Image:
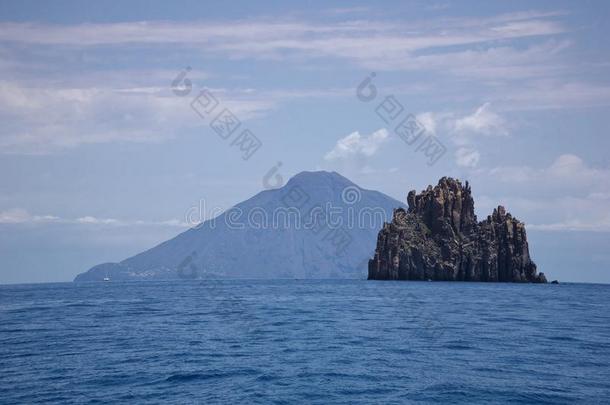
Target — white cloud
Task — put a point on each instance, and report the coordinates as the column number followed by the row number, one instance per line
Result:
column 467, row 157
column 46, row 119
column 97, row 221
column 566, row 171
column 569, row 213
column 354, row 154
column 463, row 131
column 356, row 146
column 552, row 212
column 482, row 121
column 14, row 216
column 22, row 216
column 565, row 195
column 372, row 44
column 42, row 120
column 495, row 63
column 428, row 120
column 573, row 226
column 555, row 93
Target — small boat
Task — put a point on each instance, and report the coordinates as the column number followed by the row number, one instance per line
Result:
column 106, row 278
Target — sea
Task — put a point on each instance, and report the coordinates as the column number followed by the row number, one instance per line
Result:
column 304, row 341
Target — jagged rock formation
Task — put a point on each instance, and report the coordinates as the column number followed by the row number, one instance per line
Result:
column 439, row 238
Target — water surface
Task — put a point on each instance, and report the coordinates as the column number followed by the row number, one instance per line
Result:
column 293, row 341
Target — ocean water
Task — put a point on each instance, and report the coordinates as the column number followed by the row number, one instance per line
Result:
column 303, row 341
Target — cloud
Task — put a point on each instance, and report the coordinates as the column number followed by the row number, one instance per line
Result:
column 347, row 10
column 568, row 214
column 428, row 120
column 573, row 226
column 565, row 172
column 22, row 216
column 482, row 121
column 495, row 63
column 118, row 106
column 565, row 195
column 374, row 44
column 558, row 213
column 19, row 215
column 556, row 93
column 463, row 130
column 466, row 157
column 43, row 120
column 356, row 147
column 353, row 153
column 97, row 221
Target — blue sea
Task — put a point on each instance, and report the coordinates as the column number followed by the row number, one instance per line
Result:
column 299, row 341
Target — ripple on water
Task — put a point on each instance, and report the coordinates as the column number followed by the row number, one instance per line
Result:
column 305, row 341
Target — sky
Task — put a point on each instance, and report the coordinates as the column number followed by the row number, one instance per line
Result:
column 102, row 154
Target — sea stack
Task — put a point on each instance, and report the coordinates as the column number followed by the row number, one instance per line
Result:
column 439, row 238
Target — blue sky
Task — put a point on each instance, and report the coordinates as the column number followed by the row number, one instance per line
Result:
column 100, row 159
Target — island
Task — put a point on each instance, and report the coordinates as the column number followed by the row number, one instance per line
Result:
column 438, row 238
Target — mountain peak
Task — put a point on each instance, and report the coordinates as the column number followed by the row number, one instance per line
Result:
column 263, row 237
column 320, row 178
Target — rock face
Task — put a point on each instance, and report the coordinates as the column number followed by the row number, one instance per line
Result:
column 439, row 238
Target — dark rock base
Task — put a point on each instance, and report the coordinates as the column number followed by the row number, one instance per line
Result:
column 439, row 238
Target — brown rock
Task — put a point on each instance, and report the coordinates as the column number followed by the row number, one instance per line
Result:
column 439, row 238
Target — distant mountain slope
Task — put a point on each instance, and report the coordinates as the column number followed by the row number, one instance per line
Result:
column 319, row 225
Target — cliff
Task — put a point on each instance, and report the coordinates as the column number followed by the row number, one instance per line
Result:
column 439, row 238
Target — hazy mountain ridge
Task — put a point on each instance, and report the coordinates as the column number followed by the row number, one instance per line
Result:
column 237, row 244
